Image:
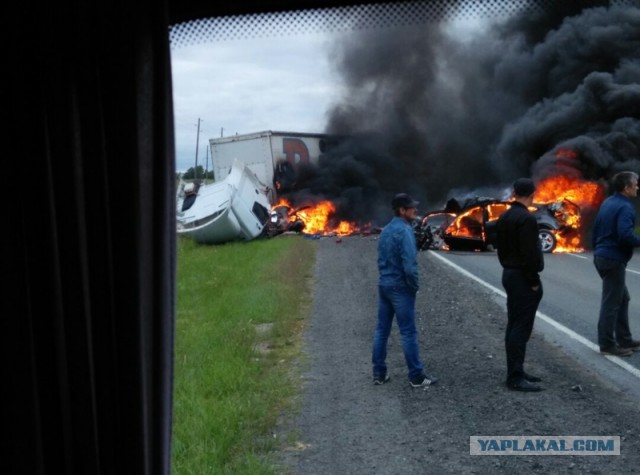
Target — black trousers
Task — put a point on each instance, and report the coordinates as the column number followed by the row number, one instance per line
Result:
column 522, row 305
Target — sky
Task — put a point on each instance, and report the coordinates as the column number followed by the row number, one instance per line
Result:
column 239, row 86
column 249, row 85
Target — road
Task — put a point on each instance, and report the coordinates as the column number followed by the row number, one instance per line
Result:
column 344, row 424
column 569, row 309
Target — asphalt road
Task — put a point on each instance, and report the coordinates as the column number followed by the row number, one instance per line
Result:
column 569, row 307
column 571, row 286
column 343, row 424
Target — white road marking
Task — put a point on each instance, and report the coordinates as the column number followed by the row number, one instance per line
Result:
column 567, row 331
column 588, row 258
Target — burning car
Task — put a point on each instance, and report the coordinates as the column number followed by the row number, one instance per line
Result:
column 282, row 219
column 311, row 219
column 472, row 229
column 429, row 230
column 471, row 225
column 559, row 225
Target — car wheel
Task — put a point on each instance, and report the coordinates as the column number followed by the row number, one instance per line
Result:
column 547, row 240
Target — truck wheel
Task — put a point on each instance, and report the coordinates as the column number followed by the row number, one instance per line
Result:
column 547, row 240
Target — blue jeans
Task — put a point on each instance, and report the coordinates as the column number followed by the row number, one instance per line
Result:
column 398, row 301
column 613, row 322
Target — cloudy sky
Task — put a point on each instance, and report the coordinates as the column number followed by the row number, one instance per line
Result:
column 238, row 86
column 249, row 85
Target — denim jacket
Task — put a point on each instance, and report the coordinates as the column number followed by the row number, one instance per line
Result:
column 397, row 255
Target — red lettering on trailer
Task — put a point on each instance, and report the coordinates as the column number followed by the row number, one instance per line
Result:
column 295, row 150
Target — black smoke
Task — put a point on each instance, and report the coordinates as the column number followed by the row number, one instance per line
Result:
column 427, row 112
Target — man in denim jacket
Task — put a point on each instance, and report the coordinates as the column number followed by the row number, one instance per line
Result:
column 613, row 243
column 397, row 287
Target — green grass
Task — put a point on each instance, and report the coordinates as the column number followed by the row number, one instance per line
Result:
column 240, row 311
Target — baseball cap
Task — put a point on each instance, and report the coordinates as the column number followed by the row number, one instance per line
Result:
column 524, row 187
column 403, row 200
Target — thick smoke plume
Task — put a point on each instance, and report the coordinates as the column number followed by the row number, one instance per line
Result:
column 432, row 112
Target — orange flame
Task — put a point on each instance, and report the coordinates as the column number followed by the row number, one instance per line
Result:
column 317, row 219
column 582, row 194
column 468, row 224
column 282, row 202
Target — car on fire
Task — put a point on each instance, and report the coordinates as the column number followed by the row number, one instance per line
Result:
column 429, row 230
column 470, row 225
column 282, row 219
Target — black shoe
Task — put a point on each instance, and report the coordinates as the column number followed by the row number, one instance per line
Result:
column 633, row 345
column 615, row 350
column 531, row 378
column 423, row 381
column 525, row 386
column 381, row 379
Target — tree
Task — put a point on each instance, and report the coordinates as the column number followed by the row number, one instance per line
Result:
column 191, row 174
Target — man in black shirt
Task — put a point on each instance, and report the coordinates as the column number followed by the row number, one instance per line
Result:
column 520, row 255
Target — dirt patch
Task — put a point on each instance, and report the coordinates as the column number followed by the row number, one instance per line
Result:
column 348, row 425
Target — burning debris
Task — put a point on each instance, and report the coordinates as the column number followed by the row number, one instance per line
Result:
column 317, row 219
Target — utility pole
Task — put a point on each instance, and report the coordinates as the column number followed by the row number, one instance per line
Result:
column 206, row 168
column 195, row 171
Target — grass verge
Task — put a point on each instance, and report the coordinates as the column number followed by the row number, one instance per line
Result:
column 240, row 311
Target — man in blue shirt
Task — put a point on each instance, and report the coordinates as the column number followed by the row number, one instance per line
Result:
column 613, row 243
column 397, row 287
